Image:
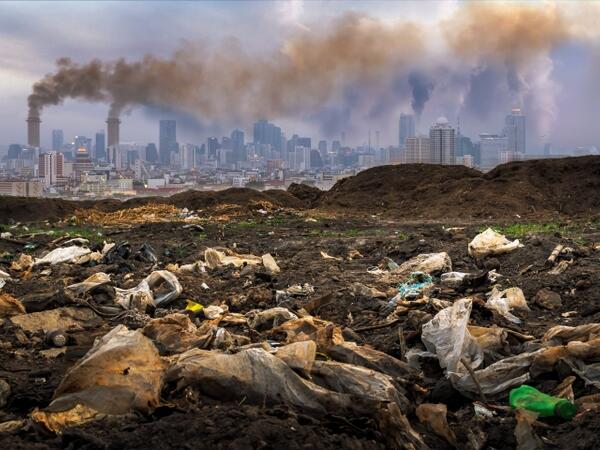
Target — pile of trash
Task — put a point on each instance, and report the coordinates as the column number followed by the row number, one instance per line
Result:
column 150, row 213
column 153, row 342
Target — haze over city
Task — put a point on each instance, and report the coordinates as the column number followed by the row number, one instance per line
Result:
column 315, row 68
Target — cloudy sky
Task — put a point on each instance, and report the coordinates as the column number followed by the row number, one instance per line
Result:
column 315, row 67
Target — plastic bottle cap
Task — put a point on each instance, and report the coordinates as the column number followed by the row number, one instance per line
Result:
column 565, row 409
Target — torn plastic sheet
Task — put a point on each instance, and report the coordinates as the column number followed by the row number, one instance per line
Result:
column 490, row 242
column 70, row 254
column 149, row 292
column 260, row 378
column 448, row 337
column 430, row 263
column 121, row 373
column 504, row 301
column 92, row 282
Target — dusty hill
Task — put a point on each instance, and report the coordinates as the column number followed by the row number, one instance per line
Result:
column 539, row 188
column 530, row 188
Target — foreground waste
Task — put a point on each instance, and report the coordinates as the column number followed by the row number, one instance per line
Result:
column 270, row 332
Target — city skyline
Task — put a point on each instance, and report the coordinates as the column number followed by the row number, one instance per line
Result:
column 479, row 87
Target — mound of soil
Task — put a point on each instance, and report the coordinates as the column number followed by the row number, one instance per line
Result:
column 310, row 195
column 35, row 209
column 539, row 188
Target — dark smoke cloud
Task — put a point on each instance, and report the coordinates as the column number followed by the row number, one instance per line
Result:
column 69, row 81
column 227, row 84
column 421, row 87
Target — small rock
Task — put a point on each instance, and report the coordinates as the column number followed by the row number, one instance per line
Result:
column 4, row 392
column 548, row 299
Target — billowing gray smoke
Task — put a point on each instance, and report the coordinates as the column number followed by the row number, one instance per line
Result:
column 421, row 87
column 314, row 69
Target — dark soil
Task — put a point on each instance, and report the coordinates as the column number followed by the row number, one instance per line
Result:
column 548, row 188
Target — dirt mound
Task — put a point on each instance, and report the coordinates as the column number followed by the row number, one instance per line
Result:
column 310, row 195
column 538, row 188
column 35, row 209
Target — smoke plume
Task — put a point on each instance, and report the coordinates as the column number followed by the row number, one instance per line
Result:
column 421, row 87
column 228, row 84
column 314, row 70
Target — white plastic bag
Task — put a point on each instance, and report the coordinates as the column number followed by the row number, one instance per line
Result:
column 491, row 243
column 504, row 301
column 448, row 337
column 143, row 295
column 63, row 254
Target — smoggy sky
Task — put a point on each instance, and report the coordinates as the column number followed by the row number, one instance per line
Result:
column 316, row 67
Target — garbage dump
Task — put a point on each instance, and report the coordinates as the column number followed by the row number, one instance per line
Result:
column 261, row 330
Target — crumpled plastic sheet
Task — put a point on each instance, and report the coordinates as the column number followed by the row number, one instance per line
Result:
column 143, row 295
column 63, row 254
column 504, row 301
column 491, row 242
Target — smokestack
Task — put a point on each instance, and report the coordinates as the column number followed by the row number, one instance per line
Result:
column 113, row 131
column 33, row 131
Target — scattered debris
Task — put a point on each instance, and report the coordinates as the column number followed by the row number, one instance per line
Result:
column 490, row 242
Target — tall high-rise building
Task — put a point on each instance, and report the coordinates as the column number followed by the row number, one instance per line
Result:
column 515, row 131
column 442, row 142
column 323, row 148
column 238, row 145
column 406, row 128
column 212, row 146
column 57, row 140
column 417, row 150
column 491, row 147
column 266, row 133
column 100, row 146
column 51, row 167
column 151, row 153
column 167, row 140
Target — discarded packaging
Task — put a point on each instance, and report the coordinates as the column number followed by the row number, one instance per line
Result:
column 72, row 254
column 491, row 242
column 270, row 264
column 429, row 263
column 121, row 373
column 504, row 301
column 158, row 288
column 269, row 318
column 529, row 398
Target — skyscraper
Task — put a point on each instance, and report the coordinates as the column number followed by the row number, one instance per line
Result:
column 212, row 145
column 406, row 128
column 491, row 148
column 57, row 140
column 266, row 133
column 237, row 144
column 151, row 153
column 442, row 142
column 167, row 140
column 100, row 147
column 418, row 150
column 515, row 131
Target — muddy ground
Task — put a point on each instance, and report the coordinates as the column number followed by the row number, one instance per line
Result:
column 186, row 419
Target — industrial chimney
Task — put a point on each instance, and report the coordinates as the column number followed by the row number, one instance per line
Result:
column 113, row 131
column 33, row 131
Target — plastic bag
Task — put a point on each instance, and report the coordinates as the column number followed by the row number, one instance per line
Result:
column 70, row 254
column 147, row 293
column 448, row 337
column 259, row 378
column 504, row 301
column 430, row 263
column 89, row 283
column 121, row 373
column 491, row 243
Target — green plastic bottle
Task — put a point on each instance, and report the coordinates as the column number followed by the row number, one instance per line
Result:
column 529, row 398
